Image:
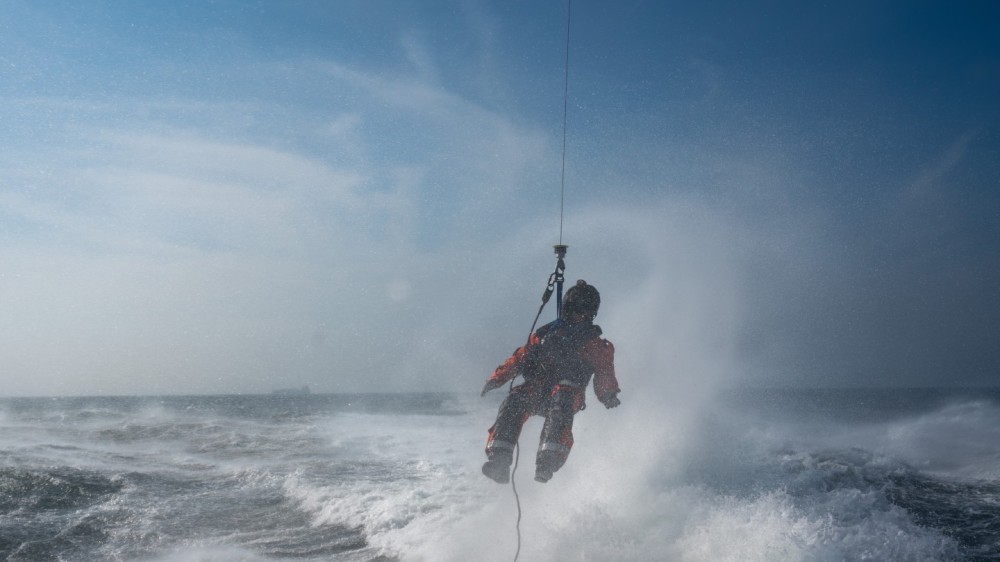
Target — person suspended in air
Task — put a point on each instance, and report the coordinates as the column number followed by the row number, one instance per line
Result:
column 557, row 364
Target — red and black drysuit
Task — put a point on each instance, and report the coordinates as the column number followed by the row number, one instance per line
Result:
column 556, row 363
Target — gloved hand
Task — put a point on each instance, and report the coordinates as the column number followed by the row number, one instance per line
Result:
column 490, row 385
column 610, row 400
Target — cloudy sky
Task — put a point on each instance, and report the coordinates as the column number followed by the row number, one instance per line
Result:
column 236, row 196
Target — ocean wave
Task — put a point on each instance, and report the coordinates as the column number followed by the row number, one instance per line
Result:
column 715, row 483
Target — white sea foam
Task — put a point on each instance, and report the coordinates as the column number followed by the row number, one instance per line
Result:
column 640, row 485
column 626, row 507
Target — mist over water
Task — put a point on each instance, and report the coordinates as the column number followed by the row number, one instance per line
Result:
column 670, row 304
column 691, row 468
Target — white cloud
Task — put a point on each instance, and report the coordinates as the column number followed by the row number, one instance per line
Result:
column 176, row 258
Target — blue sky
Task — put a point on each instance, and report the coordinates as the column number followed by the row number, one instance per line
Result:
column 239, row 196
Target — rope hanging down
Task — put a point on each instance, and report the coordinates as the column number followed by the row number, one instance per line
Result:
column 556, row 278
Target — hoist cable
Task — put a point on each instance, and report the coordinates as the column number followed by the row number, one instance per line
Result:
column 562, row 180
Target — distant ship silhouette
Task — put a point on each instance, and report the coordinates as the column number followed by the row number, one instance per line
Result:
column 292, row 391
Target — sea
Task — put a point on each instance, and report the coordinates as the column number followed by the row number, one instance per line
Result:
column 741, row 474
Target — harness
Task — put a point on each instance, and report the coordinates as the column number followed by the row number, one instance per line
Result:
column 556, row 359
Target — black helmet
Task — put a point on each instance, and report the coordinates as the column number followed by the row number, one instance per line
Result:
column 581, row 298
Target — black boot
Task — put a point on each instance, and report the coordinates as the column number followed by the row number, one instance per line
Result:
column 546, row 463
column 498, row 467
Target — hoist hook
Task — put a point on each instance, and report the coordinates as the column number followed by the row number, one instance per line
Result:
column 555, row 285
column 558, row 276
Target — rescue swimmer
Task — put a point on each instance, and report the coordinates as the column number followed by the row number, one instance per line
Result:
column 557, row 364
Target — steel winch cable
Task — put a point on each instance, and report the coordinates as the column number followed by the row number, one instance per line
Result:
column 562, row 178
